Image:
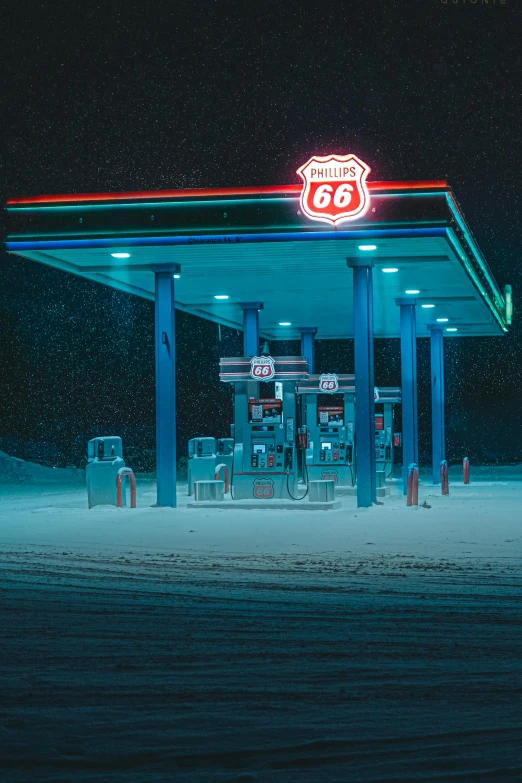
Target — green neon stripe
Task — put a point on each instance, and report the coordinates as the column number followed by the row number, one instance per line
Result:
column 193, row 202
column 476, row 251
column 493, row 306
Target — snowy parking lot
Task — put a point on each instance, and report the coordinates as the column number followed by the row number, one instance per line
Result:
column 154, row 645
column 482, row 519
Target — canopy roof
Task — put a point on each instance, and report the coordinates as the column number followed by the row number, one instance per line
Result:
column 253, row 244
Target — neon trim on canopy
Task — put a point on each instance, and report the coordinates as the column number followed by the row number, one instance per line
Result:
column 265, row 190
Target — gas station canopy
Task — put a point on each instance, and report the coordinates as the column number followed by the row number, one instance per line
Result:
column 238, row 245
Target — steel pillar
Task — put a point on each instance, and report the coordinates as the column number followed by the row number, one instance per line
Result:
column 164, row 312
column 410, row 438
column 251, row 327
column 438, row 437
column 364, row 380
column 307, row 346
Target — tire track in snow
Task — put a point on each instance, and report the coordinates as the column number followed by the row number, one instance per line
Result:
column 259, row 668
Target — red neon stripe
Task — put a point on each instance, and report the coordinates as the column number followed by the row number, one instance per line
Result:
column 265, row 190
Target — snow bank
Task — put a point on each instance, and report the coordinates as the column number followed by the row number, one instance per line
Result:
column 18, row 471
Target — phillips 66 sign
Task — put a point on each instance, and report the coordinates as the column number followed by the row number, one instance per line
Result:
column 329, row 383
column 334, row 188
column 262, row 368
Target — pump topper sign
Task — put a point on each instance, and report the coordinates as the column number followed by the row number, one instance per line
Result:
column 262, row 368
column 329, row 383
column 334, row 188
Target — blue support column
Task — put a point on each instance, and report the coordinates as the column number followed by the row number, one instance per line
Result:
column 307, row 346
column 438, row 438
column 364, row 380
column 251, row 327
column 165, row 385
column 410, row 438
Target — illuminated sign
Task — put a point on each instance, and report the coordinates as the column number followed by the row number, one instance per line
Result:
column 262, row 368
column 329, row 383
column 334, row 188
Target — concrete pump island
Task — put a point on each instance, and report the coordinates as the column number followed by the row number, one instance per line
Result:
column 335, row 257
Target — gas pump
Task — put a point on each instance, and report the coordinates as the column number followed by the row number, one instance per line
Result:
column 384, row 435
column 330, row 420
column 265, row 452
column 330, row 416
column 383, row 444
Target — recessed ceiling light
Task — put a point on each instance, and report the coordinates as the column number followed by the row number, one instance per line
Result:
column 285, row 323
column 390, row 269
column 451, row 329
column 176, row 277
column 442, row 320
column 367, row 247
column 120, row 255
column 412, row 291
column 221, row 296
column 428, row 306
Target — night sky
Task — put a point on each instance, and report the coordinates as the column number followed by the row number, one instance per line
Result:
column 170, row 95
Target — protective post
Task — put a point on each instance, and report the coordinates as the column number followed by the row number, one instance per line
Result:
column 412, row 495
column 165, row 384
column 119, row 486
column 218, row 470
column 415, row 489
column 465, row 469
column 251, row 327
column 364, row 380
column 410, row 441
column 444, row 477
column 437, row 399
column 308, row 345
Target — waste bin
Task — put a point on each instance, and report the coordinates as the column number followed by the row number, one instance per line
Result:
column 321, row 491
column 104, row 460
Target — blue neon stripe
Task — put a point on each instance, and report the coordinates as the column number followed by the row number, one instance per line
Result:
column 226, row 239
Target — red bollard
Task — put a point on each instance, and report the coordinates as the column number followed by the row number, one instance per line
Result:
column 465, row 469
column 415, row 491
column 119, row 481
column 412, row 496
column 217, row 472
column 444, row 478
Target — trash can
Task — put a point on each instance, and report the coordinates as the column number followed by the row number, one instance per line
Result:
column 201, row 461
column 104, row 460
column 321, row 491
column 209, row 490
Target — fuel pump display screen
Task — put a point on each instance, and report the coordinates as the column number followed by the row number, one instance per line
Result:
column 267, row 410
column 326, row 445
column 259, row 448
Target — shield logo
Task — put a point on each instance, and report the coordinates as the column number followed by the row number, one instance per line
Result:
column 334, row 188
column 262, row 368
column 263, row 489
column 329, row 383
column 330, row 475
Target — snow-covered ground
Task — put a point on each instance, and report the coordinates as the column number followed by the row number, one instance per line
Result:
column 152, row 645
column 483, row 519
